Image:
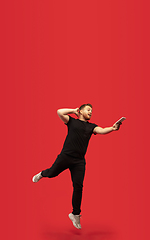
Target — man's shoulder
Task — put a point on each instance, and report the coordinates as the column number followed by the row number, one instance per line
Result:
column 70, row 120
column 91, row 123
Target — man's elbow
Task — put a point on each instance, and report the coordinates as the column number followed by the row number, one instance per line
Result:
column 59, row 112
column 101, row 133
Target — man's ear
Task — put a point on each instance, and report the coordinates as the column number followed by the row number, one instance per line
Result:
column 80, row 111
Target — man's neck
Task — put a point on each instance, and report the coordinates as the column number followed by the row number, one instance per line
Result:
column 82, row 119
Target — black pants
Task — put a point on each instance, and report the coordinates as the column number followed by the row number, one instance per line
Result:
column 77, row 169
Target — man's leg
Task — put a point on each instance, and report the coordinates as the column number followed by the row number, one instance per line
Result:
column 77, row 174
column 60, row 164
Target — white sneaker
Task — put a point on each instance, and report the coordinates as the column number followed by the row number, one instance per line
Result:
column 75, row 220
column 37, row 177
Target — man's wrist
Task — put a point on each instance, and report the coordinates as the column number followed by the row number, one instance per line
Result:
column 73, row 111
column 113, row 129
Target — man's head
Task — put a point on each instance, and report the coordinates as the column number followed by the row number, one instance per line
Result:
column 85, row 111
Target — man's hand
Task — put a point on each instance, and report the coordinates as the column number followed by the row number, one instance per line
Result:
column 116, row 126
column 76, row 112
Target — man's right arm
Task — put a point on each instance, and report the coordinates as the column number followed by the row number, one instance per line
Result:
column 63, row 113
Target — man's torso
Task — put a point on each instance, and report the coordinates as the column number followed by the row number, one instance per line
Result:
column 79, row 134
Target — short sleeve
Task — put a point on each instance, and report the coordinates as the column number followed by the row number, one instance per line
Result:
column 68, row 123
column 94, row 125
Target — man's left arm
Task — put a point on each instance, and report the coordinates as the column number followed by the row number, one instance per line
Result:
column 106, row 130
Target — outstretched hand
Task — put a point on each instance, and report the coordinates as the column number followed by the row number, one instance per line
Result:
column 116, row 126
column 76, row 112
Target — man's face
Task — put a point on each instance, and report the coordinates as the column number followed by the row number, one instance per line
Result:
column 87, row 112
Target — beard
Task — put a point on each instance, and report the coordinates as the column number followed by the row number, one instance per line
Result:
column 87, row 117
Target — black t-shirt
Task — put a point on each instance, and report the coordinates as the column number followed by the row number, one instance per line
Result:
column 79, row 133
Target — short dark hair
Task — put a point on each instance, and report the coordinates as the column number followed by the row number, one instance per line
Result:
column 84, row 105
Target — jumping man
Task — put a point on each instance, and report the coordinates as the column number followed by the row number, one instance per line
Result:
column 73, row 152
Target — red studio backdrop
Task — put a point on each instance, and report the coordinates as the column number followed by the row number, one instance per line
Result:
column 61, row 54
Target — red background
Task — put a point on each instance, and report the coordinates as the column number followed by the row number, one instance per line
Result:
column 59, row 54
